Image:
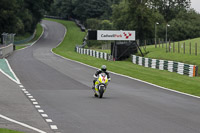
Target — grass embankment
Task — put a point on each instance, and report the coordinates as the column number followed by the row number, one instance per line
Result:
column 160, row 53
column 105, row 51
column 163, row 78
column 8, row 131
column 39, row 30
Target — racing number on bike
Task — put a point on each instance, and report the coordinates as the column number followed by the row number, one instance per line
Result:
column 104, row 78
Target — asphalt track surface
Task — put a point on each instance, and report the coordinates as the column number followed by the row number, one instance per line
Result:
column 63, row 89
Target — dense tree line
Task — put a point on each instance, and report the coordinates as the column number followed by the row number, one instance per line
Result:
column 139, row 15
column 142, row 15
column 21, row 16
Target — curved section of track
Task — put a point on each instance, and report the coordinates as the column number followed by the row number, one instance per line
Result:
column 63, row 88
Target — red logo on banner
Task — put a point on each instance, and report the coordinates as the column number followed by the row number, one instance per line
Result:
column 127, row 36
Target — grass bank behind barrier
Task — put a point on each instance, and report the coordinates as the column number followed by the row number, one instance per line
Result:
column 160, row 53
column 163, row 78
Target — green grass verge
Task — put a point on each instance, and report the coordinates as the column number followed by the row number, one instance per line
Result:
column 39, row 30
column 8, row 131
column 105, row 51
column 167, row 79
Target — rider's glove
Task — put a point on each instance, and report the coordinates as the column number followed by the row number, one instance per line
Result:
column 95, row 77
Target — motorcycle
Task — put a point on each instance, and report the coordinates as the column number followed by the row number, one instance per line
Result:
column 101, row 85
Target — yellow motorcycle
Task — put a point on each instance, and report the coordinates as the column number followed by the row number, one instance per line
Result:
column 101, row 85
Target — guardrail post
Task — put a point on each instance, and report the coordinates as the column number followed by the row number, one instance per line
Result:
column 178, row 47
column 195, row 48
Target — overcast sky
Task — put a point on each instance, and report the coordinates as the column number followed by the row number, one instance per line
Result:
column 196, row 5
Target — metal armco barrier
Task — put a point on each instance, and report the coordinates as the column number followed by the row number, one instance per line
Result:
column 93, row 53
column 5, row 51
column 171, row 66
column 25, row 40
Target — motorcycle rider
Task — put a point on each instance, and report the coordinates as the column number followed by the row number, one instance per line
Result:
column 102, row 70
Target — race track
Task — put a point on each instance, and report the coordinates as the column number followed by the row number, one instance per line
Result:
column 63, row 89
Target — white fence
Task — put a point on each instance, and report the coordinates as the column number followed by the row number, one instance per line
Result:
column 94, row 53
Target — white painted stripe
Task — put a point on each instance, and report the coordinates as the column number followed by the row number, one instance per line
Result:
column 44, row 115
column 146, row 62
column 170, row 66
column 130, row 77
column 49, row 120
column 101, row 55
column 153, row 65
column 37, row 106
column 33, row 100
column 21, row 86
column 30, row 96
column 23, row 89
column 41, row 111
column 134, row 59
column 105, row 56
column 26, row 92
column 140, row 61
column 87, row 51
column 22, row 124
column 54, row 127
column 35, row 103
column 180, row 68
column 97, row 54
column 161, row 64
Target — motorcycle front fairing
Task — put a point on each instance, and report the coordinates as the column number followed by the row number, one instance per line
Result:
column 102, row 81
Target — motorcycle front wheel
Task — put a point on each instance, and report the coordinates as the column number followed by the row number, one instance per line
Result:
column 101, row 91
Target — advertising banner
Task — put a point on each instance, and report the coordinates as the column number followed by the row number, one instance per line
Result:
column 115, row 35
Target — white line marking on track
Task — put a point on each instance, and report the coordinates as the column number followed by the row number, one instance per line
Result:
column 30, row 96
column 35, row 103
column 54, row 127
column 22, row 124
column 41, row 111
column 26, row 92
column 33, row 100
column 21, row 86
column 37, row 106
column 44, row 115
column 23, row 89
column 49, row 120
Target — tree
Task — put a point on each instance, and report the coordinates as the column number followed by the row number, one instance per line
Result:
column 36, row 8
column 20, row 16
column 136, row 15
column 186, row 25
column 90, row 9
column 169, row 8
column 9, row 22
